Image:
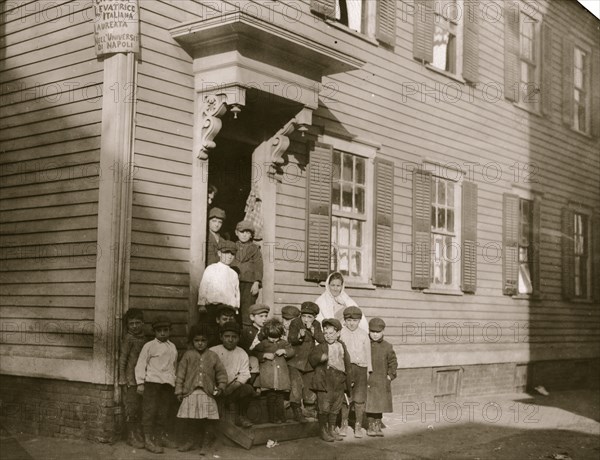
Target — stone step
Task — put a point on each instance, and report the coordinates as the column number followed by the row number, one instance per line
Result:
column 259, row 434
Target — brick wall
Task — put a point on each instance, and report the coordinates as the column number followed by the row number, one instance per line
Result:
column 59, row 408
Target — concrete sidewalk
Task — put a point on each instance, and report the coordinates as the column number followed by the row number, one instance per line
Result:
column 563, row 425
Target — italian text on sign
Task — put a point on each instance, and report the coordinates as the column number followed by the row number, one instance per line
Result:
column 116, row 26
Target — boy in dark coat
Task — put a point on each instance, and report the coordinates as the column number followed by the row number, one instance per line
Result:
column 385, row 364
column 331, row 378
column 303, row 332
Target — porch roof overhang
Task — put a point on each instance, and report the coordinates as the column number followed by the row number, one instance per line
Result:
column 258, row 43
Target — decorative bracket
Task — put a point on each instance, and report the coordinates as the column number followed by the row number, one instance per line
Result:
column 280, row 141
column 214, row 106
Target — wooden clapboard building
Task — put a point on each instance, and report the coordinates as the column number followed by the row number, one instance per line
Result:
column 443, row 155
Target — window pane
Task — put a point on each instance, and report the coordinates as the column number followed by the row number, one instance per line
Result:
column 441, row 38
column 450, row 193
column 441, row 192
column 441, row 218
column 342, row 261
column 359, row 196
column 433, row 216
column 335, row 196
column 450, row 217
column 356, row 236
column 354, row 14
column 525, row 286
column 344, row 232
column 359, row 176
column 334, row 230
column 347, row 168
column 347, row 198
column 356, row 263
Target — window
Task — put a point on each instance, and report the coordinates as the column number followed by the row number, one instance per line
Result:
column 520, row 243
column 581, row 245
column 581, row 99
column 444, row 241
column 528, row 75
column 349, row 209
column 446, row 36
column 444, row 234
column 349, row 216
column 373, row 19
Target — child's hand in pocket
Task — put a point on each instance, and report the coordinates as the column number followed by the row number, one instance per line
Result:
column 280, row 352
column 140, row 388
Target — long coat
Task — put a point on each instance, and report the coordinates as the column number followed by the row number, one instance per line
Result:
column 385, row 364
column 319, row 378
column 274, row 374
column 303, row 345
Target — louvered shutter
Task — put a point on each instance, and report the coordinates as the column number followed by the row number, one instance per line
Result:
column 511, row 51
column 535, row 242
column 547, row 73
column 318, row 213
column 596, row 258
column 386, row 22
column 595, row 77
column 324, row 8
column 423, row 30
column 384, row 222
column 567, row 81
column 469, row 237
column 568, row 254
column 421, row 254
column 510, row 244
column 471, row 42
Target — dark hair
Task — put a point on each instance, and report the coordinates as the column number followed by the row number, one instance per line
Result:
column 273, row 328
column 199, row 329
column 336, row 276
column 133, row 313
column 212, row 189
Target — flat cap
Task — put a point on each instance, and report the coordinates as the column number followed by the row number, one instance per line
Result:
column 227, row 246
column 161, row 321
column 290, row 312
column 258, row 308
column 376, row 325
column 245, row 225
column 216, row 212
column 224, row 308
column 232, row 326
column 309, row 307
column 332, row 322
column 352, row 313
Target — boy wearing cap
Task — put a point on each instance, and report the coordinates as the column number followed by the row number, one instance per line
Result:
column 359, row 348
column 216, row 217
column 288, row 313
column 219, row 284
column 248, row 260
column 303, row 333
column 225, row 313
column 259, row 314
column 385, row 365
column 235, row 360
column 331, row 377
column 155, row 378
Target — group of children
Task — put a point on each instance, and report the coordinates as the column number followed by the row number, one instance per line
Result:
column 296, row 358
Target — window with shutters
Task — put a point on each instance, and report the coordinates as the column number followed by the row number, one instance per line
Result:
column 529, row 83
column 445, row 233
column 520, row 247
column 349, row 212
column 446, row 37
column 444, row 255
column 581, row 92
column 578, row 226
column 369, row 18
column 349, row 217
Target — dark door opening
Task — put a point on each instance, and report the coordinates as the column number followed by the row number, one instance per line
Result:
column 230, row 170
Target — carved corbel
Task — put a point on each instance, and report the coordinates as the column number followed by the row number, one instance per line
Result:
column 281, row 141
column 213, row 108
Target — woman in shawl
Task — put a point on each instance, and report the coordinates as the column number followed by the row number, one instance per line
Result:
column 333, row 301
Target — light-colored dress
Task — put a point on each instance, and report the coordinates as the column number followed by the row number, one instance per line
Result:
column 333, row 307
column 198, row 405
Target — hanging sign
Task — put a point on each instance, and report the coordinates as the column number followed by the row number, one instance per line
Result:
column 116, row 26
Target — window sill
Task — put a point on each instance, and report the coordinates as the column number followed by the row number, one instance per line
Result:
column 523, row 297
column 343, row 28
column 357, row 285
column 455, row 292
column 582, row 133
column 528, row 109
column 586, row 301
column 450, row 75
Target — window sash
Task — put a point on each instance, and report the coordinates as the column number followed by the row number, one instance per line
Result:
column 581, row 254
column 525, row 285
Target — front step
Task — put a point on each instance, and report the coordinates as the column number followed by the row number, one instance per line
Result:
column 262, row 430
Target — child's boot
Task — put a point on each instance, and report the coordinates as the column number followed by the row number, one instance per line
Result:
column 359, row 410
column 138, row 435
column 332, row 431
column 344, row 423
column 325, row 435
column 150, row 445
column 378, row 424
column 165, row 440
column 133, row 437
column 189, row 439
column 280, row 408
column 298, row 415
column 371, row 426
